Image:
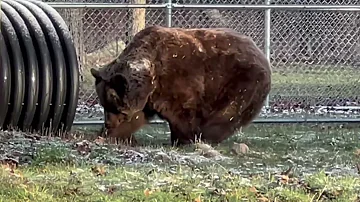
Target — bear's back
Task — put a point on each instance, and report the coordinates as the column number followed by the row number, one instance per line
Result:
column 199, row 51
column 199, row 63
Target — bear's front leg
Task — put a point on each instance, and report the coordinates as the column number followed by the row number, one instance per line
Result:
column 183, row 122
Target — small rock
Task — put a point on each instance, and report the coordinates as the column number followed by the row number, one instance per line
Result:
column 240, row 148
column 203, row 147
column 211, row 153
column 162, row 156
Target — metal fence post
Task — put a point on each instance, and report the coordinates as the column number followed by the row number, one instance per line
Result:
column 267, row 39
column 169, row 13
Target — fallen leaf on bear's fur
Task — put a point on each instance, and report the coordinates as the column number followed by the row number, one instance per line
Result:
column 99, row 171
column 147, row 192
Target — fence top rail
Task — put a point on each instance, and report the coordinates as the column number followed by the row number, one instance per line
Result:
column 265, row 7
column 207, row 6
column 104, row 5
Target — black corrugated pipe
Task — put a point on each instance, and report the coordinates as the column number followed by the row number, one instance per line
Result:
column 39, row 75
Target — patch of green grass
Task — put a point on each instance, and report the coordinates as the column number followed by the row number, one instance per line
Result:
column 311, row 78
column 321, row 156
column 328, row 83
column 58, row 182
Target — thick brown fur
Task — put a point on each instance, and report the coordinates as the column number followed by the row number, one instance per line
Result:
column 206, row 83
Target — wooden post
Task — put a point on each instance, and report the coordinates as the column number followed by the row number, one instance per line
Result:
column 138, row 17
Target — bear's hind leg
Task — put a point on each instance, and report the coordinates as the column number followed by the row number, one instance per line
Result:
column 217, row 132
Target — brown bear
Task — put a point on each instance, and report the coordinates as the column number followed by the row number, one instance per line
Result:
column 206, row 83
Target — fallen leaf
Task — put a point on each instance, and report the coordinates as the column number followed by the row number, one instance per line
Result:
column 253, row 190
column 83, row 147
column 72, row 191
column 147, row 192
column 99, row 140
column 7, row 167
column 263, row 199
column 284, row 179
column 9, row 163
column 197, row 199
column 16, row 174
column 99, row 171
column 111, row 189
column 337, row 192
column 287, row 172
column 357, row 152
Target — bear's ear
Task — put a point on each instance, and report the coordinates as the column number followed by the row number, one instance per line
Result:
column 96, row 74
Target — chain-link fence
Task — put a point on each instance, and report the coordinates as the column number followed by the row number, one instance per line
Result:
column 314, row 51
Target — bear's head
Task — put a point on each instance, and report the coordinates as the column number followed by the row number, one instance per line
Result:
column 123, row 90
